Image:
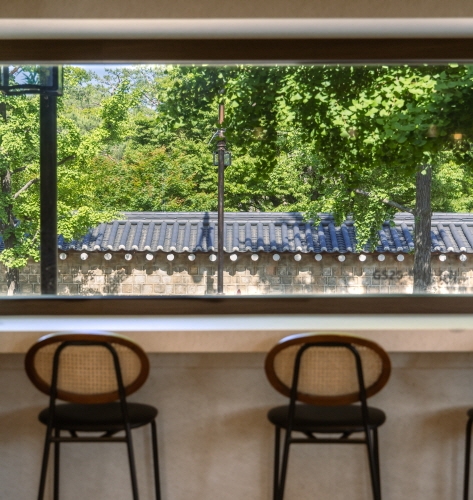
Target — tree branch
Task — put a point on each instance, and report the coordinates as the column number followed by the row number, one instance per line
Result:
column 36, row 179
column 25, row 187
column 19, row 170
column 388, row 202
column 66, row 159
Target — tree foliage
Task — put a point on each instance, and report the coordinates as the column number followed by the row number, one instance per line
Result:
column 340, row 139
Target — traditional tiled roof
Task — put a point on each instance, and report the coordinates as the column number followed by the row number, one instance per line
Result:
column 264, row 232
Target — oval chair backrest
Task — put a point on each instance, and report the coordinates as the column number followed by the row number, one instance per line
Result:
column 327, row 374
column 86, row 372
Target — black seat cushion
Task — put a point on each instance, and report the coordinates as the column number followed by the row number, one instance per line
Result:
column 326, row 418
column 98, row 417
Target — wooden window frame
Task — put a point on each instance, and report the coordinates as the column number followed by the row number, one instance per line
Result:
column 249, row 50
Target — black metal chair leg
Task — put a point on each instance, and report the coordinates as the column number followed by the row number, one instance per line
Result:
column 466, row 479
column 277, row 459
column 57, row 433
column 376, row 456
column 372, row 464
column 154, row 438
column 285, row 459
column 44, row 465
column 131, row 460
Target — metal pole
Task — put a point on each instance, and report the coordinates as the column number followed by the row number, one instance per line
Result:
column 48, row 193
column 221, row 145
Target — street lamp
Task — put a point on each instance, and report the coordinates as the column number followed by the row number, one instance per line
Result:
column 47, row 82
column 34, row 79
column 221, row 158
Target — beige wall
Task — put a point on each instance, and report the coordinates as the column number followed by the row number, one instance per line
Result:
column 216, row 444
column 233, row 8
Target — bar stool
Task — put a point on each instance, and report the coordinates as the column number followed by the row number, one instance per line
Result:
column 323, row 375
column 94, row 372
column 466, row 483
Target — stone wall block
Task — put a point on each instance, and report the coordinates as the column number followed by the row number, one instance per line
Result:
column 369, row 270
column 355, row 290
column 159, row 270
column 357, row 271
column 327, row 271
column 347, row 271
column 316, row 269
column 270, row 270
column 26, row 289
column 153, row 278
column 292, row 271
column 68, row 289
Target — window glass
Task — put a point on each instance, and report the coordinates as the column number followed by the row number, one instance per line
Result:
column 327, row 171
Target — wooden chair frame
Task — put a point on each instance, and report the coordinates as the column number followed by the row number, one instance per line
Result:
column 307, row 341
column 105, row 340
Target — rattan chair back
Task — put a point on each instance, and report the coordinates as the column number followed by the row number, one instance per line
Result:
column 327, row 372
column 86, row 371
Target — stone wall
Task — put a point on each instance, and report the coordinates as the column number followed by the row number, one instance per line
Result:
column 96, row 276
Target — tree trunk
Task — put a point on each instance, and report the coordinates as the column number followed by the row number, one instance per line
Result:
column 423, row 242
column 13, row 281
column 12, row 275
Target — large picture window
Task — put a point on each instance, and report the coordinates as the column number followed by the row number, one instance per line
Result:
column 321, row 193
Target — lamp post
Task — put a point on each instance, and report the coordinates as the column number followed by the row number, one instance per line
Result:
column 47, row 82
column 222, row 159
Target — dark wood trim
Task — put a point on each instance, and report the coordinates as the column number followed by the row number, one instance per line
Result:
column 205, row 305
column 233, row 50
column 45, row 387
column 327, row 400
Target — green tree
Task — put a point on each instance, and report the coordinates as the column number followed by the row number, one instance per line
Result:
column 19, row 168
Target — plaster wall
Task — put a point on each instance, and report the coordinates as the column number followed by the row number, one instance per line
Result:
column 96, row 276
column 215, row 441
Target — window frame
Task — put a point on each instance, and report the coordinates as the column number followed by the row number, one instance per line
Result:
column 242, row 50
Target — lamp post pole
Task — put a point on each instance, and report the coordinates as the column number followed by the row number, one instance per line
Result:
column 48, row 193
column 221, row 148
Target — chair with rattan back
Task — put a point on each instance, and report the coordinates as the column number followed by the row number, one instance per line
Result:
column 93, row 372
column 324, row 376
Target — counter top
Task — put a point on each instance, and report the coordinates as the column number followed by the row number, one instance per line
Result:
column 251, row 333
